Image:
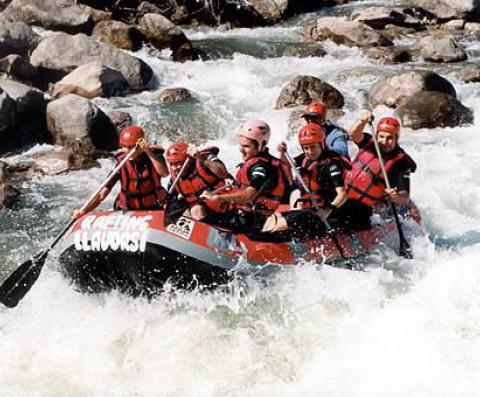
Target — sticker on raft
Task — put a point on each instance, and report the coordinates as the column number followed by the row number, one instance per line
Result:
column 115, row 232
column 183, row 228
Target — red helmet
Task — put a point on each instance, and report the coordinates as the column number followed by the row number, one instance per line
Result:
column 389, row 124
column 311, row 133
column 177, row 153
column 130, row 135
column 257, row 130
column 315, row 109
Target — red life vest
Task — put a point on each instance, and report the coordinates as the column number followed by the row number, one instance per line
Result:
column 270, row 198
column 365, row 181
column 200, row 178
column 309, row 173
column 139, row 190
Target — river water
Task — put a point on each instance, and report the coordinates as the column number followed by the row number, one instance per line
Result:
column 400, row 327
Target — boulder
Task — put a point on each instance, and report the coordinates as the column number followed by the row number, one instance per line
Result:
column 52, row 161
column 160, row 31
column 431, row 109
column 30, row 102
column 16, row 38
column 440, row 49
column 304, row 51
column 472, row 28
column 170, row 95
column 61, row 53
column 388, row 55
column 29, row 126
column 64, row 15
column 342, row 31
column 120, row 119
column 92, row 80
column 75, row 121
column 8, row 113
column 378, row 17
column 395, row 91
column 304, row 89
column 119, row 34
column 271, row 11
column 469, row 74
column 451, row 9
column 8, row 193
column 18, row 67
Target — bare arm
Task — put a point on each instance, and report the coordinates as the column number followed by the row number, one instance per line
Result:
column 355, row 132
column 398, row 197
column 217, row 167
column 244, row 196
column 93, row 204
column 159, row 164
column 340, row 198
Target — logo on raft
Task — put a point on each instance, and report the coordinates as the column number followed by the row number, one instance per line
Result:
column 115, row 232
column 183, row 228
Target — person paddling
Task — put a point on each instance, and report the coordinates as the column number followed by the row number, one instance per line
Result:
column 365, row 184
column 203, row 172
column 140, row 178
column 336, row 137
column 322, row 173
column 264, row 181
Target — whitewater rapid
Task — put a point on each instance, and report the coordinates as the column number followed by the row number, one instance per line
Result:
column 399, row 327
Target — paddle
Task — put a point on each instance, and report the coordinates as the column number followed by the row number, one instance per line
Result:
column 16, row 286
column 404, row 249
column 175, row 207
column 317, row 207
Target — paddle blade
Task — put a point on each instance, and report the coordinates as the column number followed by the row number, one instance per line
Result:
column 16, row 286
column 405, row 249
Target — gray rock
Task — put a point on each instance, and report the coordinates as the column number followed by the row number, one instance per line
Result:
column 30, row 102
column 304, row 51
column 160, row 31
column 65, row 15
column 395, row 91
column 8, row 115
column 77, row 122
column 469, row 74
column 430, row 109
column 119, row 34
column 120, row 119
column 378, row 17
column 8, row 193
column 388, row 55
column 18, row 67
column 440, row 49
column 342, row 31
column 472, row 28
column 16, row 38
column 92, row 80
column 271, row 11
column 63, row 53
column 304, row 89
column 451, row 9
column 170, row 95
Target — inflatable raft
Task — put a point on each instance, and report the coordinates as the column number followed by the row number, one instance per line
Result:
column 134, row 252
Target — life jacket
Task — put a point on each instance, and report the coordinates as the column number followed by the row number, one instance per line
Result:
column 365, row 181
column 309, row 172
column 139, row 190
column 198, row 179
column 269, row 199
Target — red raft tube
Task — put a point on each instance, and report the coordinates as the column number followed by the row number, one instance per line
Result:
column 132, row 251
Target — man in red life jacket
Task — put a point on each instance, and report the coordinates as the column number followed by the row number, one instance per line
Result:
column 365, row 183
column 336, row 137
column 264, row 180
column 140, row 178
column 322, row 172
column 204, row 172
